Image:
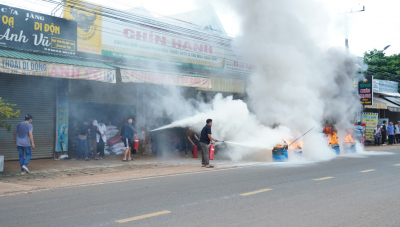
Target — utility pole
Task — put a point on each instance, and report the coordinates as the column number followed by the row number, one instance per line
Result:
column 346, row 40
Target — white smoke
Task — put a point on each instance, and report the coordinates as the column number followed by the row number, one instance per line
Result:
column 299, row 82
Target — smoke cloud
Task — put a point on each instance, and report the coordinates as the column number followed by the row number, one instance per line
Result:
column 299, row 83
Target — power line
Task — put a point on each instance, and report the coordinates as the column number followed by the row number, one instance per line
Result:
column 127, row 17
column 51, row 2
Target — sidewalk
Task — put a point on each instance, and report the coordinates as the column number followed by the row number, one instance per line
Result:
column 50, row 173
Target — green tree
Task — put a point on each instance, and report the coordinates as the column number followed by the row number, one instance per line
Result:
column 7, row 113
column 381, row 66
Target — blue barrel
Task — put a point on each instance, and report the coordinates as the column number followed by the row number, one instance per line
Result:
column 336, row 148
column 298, row 152
column 353, row 148
column 279, row 155
column 350, row 147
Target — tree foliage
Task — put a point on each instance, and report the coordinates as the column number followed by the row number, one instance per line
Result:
column 6, row 113
column 381, row 66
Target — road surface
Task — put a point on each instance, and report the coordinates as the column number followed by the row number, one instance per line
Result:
column 346, row 191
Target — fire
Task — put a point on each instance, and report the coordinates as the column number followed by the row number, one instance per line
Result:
column 280, row 146
column 348, row 139
column 300, row 145
column 334, row 139
column 332, row 136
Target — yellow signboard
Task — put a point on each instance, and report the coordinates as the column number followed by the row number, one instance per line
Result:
column 371, row 121
column 89, row 18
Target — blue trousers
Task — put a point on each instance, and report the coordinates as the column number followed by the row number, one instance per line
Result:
column 22, row 151
column 82, row 144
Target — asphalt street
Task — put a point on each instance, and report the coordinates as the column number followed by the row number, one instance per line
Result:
column 346, row 191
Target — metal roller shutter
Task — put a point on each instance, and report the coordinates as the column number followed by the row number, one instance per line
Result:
column 100, row 92
column 34, row 95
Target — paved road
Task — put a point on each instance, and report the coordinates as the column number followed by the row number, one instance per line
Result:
column 342, row 192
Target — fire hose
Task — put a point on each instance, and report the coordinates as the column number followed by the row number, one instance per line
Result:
column 301, row 136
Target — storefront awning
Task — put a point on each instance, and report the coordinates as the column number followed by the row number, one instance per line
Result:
column 15, row 62
column 135, row 75
column 380, row 103
column 387, row 94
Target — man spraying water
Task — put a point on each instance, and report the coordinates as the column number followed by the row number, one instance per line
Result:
column 205, row 140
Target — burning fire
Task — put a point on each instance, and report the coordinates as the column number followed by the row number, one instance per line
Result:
column 280, row 146
column 332, row 136
column 300, row 145
column 348, row 139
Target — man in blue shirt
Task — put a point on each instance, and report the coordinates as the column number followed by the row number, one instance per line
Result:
column 126, row 138
column 23, row 138
column 358, row 132
column 205, row 139
column 390, row 130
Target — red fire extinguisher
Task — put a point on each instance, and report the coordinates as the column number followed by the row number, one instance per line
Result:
column 194, row 151
column 136, row 143
column 212, row 147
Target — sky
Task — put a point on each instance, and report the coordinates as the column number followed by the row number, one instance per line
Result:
column 376, row 27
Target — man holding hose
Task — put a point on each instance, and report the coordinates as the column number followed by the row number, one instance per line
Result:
column 205, row 140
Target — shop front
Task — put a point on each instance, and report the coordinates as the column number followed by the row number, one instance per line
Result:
column 39, row 85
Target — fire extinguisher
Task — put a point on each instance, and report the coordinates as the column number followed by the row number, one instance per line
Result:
column 136, row 143
column 212, row 147
column 194, row 151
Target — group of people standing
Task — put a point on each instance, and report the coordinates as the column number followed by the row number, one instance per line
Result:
column 91, row 137
column 391, row 132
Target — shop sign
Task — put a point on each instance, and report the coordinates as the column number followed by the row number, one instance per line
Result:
column 365, row 90
column 22, row 29
column 62, row 124
column 88, row 16
column 377, row 105
column 237, row 64
column 164, row 79
column 37, row 68
column 371, row 121
column 142, row 43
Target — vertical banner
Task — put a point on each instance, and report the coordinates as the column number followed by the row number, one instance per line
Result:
column 365, row 90
column 62, row 124
column 371, row 121
column 89, row 18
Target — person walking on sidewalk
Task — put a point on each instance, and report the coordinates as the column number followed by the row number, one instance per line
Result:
column 205, row 140
column 82, row 140
column 128, row 128
column 23, row 138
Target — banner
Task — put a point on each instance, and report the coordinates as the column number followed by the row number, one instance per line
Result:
column 365, row 90
column 62, row 124
column 89, row 18
column 37, row 68
column 28, row 30
column 371, row 121
column 147, row 44
column 164, row 79
column 220, row 84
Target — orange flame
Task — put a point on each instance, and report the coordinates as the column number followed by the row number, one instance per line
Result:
column 348, row 139
column 332, row 136
column 300, row 145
